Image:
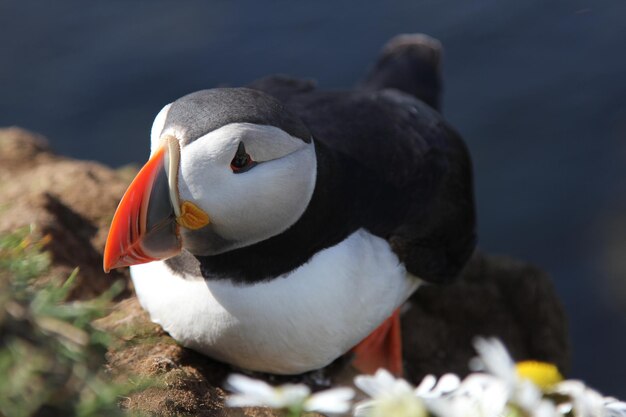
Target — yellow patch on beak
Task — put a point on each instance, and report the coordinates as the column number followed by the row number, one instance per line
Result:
column 191, row 216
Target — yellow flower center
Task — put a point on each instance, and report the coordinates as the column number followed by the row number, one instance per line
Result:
column 407, row 405
column 542, row 374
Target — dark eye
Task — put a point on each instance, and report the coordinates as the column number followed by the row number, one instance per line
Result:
column 241, row 161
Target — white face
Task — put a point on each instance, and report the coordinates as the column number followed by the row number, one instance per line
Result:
column 246, row 207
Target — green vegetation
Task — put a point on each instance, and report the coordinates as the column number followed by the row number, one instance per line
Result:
column 51, row 355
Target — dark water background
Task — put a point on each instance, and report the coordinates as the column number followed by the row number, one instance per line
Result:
column 538, row 89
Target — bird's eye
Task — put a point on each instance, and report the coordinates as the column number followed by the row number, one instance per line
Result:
column 241, row 161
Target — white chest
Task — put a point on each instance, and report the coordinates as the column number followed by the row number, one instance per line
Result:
column 292, row 324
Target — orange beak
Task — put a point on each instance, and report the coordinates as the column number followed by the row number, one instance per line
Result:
column 144, row 227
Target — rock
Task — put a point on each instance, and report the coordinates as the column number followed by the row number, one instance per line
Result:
column 187, row 383
column 73, row 202
column 70, row 201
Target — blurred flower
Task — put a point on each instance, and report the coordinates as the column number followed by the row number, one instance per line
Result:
column 494, row 359
column 295, row 398
column 585, row 401
column 389, row 396
column 333, row 401
column 478, row 395
column 614, row 407
column 520, row 391
column 504, row 389
column 396, row 406
column 431, row 388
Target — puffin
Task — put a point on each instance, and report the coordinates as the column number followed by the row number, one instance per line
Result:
column 277, row 227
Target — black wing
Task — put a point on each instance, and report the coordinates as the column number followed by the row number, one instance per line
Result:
column 408, row 173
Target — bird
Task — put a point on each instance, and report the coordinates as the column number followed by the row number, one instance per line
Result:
column 277, row 227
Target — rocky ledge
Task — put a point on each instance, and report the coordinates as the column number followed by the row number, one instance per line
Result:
column 73, row 202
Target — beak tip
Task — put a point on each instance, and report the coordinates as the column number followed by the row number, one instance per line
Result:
column 111, row 260
column 107, row 265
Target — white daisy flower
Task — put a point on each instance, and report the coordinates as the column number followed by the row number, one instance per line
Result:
column 382, row 382
column 494, row 359
column 389, row 396
column 585, row 401
column 506, row 389
column 614, row 408
column 331, row 401
column 520, row 391
column 431, row 388
column 526, row 383
column 296, row 398
column 478, row 395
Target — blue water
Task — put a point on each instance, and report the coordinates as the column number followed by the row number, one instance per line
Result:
column 537, row 88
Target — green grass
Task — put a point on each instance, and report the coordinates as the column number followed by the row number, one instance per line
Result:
column 51, row 355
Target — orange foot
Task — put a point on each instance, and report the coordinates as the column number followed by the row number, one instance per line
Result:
column 381, row 349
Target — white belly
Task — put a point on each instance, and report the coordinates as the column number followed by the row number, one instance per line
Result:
column 292, row 324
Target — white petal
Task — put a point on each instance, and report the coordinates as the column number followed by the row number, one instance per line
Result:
column 251, row 392
column 526, row 395
column 290, row 395
column 614, row 408
column 544, row 409
column 585, row 401
column 564, row 408
column 457, row 406
column 426, row 385
column 570, row 387
column 478, row 384
column 334, row 401
column 255, row 390
column 608, row 412
column 447, row 383
column 495, row 358
column 494, row 399
column 384, row 378
column 405, row 405
column 401, row 387
column 614, row 404
column 374, row 385
column 363, row 408
column 479, row 395
column 590, row 403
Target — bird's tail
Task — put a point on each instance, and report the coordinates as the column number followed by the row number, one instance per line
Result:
column 412, row 64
